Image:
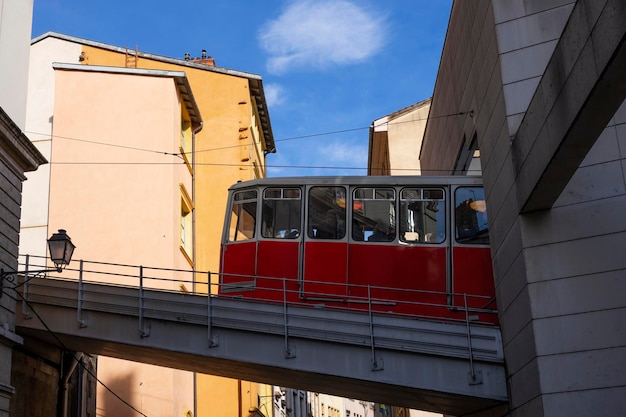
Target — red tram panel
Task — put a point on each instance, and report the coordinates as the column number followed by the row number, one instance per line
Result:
column 404, row 245
column 238, row 265
column 277, row 269
column 325, row 271
column 404, row 271
column 469, row 265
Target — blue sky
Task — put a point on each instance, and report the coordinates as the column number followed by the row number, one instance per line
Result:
column 329, row 67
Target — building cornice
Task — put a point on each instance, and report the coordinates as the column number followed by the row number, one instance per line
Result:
column 179, row 77
column 255, row 81
column 17, row 152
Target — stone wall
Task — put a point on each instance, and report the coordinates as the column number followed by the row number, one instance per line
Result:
column 17, row 155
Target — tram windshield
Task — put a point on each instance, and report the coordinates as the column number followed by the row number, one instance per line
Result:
column 243, row 216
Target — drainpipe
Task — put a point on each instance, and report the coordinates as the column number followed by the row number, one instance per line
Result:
column 193, row 250
column 81, row 384
column 239, row 399
column 193, row 201
column 66, row 380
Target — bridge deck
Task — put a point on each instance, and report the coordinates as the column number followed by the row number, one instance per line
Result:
column 405, row 361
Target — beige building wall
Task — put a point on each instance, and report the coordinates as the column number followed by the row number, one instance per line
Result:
column 396, row 140
column 39, row 120
column 111, row 186
column 230, row 147
column 119, row 198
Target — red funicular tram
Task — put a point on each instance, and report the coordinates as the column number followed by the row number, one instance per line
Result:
column 413, row 245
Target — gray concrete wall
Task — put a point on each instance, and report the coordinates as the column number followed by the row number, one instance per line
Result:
column 552, row 149
column 566, row 321
column 15, row 27
column 467, row 99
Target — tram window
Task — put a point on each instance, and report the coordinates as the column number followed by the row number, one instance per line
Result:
column 374, row 215
column 471, row 216
column 281, row 213
column 327, row 213
column 422, row 215
column 243, row 216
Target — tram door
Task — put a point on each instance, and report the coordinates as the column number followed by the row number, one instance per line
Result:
column 279, row 249
column 325, row 252
column 399, row 249
column 239, row 243
column 471, row 262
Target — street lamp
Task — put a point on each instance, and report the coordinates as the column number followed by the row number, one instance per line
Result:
column 61, row 249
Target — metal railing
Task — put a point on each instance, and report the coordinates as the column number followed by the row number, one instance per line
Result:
column 372, row 301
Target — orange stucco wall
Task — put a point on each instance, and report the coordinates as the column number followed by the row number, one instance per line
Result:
column 224, row 154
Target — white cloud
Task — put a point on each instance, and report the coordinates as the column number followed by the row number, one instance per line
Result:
column 274, row 94
column 321, row 33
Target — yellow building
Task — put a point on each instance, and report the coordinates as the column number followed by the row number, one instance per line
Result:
column 156, row 173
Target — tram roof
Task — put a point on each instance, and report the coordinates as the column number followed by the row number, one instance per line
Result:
column 378, row 180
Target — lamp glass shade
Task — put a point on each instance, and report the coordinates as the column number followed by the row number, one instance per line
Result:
column 61, row 248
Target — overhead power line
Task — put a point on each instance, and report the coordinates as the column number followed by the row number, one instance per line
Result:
column 307, row 136
column 268, row 166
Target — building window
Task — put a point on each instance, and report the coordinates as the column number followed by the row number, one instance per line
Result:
column 468, row 158
column 186, row 228
column 186, row 136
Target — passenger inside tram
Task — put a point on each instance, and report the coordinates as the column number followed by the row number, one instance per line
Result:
column 379, row 235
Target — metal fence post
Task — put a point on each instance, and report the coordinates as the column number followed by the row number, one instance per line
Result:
column 212, row 339
column 474, row 378
column 142, row 331
column 377, row 364
column 25, row 310
column 81, row 297
column 289, row 352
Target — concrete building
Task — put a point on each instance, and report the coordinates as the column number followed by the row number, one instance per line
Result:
column 138, row 177
column 538, row 88
column 395, row 141
column 15, row 26
column 17, row 156
column 324, row 405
